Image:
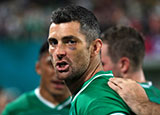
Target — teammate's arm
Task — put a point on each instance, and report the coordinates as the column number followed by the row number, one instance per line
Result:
column 134, row 95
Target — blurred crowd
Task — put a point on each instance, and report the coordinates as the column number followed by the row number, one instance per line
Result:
column 7, row 95
column 29, row 19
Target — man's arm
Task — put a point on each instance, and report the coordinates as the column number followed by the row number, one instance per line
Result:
column 134, row 95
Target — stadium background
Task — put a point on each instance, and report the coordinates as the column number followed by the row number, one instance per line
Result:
column 24, row 26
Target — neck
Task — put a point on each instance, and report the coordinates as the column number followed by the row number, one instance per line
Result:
column 54, row 99
column 137, row 76
column 94, row 67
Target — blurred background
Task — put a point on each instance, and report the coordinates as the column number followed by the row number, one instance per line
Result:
column 24, row 26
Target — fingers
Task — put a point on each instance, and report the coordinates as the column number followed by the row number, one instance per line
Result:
column 122, row 82
column 114, row 86
column 117, row 81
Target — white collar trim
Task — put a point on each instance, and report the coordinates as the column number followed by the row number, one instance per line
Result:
column 43, row 100
column 148, row 85
column 89, row 83
column 49, row 104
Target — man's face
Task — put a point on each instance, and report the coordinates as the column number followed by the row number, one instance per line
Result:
column 68, row 48
column 49, row 81
column 107, row 62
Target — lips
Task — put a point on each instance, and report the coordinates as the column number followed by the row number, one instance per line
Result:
column 58, row 84
column 62, row 66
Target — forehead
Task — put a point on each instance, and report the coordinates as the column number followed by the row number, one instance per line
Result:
column 65, row 29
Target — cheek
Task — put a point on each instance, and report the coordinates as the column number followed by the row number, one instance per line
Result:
column 107, row 64
column 72, row 48
column 83, row 58
column 50, row 49
column 52, row 53
column 44, row 70
column 80, row 56
column 107, row 67
column 116, row 71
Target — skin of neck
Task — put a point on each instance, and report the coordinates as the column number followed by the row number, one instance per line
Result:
column 137, row 75
column 94, row 67
column 54, row 99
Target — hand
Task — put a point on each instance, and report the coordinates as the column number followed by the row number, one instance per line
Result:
column 130, row 91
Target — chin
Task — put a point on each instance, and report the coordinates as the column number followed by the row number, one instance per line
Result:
column 58, row 93
column 63, row 75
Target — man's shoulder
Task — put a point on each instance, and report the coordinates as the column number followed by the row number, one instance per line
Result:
column 152, row 92
column 100, row 77
column 99, row 96
column 97, row 85
column 104, row 73
column 23, row 98
column 22, row 102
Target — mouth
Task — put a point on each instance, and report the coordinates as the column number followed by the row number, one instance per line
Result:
column 58, row 84
column 62, row 66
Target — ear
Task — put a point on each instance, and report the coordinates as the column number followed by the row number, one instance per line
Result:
column 124, row 64
column 96, row 47
column 38, row 68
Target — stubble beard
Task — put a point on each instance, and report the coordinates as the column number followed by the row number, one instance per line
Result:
column 77, row 73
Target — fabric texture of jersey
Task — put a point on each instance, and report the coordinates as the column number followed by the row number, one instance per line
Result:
column 30, row 104
column 96, row 98
column 152, row 92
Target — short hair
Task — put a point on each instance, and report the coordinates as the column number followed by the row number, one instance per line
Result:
column 43, row 50
column 125, row 41
column 88, row 22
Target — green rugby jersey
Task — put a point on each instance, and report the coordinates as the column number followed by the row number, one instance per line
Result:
column 152, row 92
column 32, row 103
column 97, row 98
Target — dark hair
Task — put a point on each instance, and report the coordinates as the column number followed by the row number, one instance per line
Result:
column 125, row 41
column 88, row 22
column 44, row 49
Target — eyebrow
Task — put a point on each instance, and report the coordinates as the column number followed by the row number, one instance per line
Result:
column 69, row 37
column 51, row 38
column 64, row 38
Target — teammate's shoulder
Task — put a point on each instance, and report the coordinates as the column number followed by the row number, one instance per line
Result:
column 22, row 98
column 18, row 103
column 148, row 86
column 103, row 75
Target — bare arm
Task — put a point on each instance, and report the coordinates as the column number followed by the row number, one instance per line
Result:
column 134, row 95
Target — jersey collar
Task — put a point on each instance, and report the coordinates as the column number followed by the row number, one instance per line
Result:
column 49, row 104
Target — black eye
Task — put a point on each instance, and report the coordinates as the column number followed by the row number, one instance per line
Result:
column 53, row 42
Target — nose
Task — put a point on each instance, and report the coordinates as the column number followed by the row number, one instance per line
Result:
column 60, row 52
